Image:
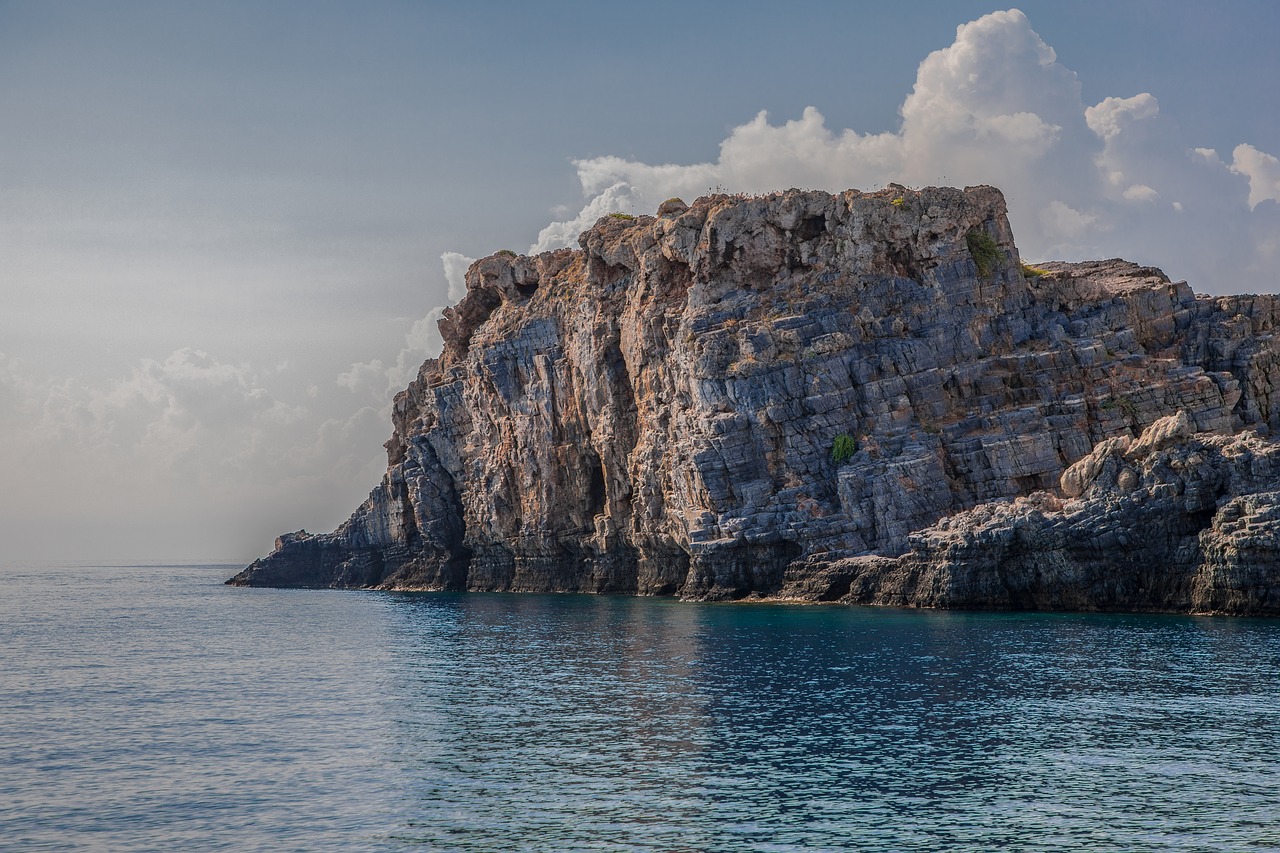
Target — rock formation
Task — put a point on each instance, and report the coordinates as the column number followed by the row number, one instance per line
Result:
column 860, row 397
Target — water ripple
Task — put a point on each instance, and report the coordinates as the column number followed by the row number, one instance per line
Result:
column 151, row 708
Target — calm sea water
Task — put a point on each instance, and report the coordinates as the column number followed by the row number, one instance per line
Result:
column 152, row 708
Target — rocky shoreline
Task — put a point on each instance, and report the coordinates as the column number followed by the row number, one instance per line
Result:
column 862, row 397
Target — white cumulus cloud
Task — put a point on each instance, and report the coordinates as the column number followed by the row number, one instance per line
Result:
column 996, row 106
column 1262, row 170
column 1065, row 221
column 618, row 197
column 1140, row 192
column 1109, row 118
column 455, row 271
column 380, row 381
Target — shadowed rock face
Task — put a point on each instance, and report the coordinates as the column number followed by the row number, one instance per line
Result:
column 656, row 414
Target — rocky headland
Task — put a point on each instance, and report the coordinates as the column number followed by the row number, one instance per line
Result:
column 862, row 397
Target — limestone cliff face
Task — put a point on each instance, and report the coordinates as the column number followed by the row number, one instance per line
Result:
column 657, row 412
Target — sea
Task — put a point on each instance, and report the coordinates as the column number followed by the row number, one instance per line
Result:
column 153, row 708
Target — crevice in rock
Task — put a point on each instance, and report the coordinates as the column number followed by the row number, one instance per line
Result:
column 377, row 568
column 595, row 487
column 838, row 589
column 810, row 228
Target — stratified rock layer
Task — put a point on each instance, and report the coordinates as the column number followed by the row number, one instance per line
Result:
column 657, row 412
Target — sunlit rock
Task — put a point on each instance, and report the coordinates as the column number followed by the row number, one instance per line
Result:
column 861, row 397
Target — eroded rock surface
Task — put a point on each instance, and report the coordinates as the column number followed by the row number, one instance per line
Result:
column 657, row 412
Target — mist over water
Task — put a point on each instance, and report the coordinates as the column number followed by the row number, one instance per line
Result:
column 153, row 708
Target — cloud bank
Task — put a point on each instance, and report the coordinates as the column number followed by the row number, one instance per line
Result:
column 173, row 457
column 997, row 107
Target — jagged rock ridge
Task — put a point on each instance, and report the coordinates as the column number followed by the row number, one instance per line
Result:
column 656, row 413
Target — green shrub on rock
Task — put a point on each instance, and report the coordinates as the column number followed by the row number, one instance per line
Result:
column 985, row 252
column 843, row 448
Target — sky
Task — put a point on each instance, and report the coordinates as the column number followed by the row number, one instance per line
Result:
column 227, row 229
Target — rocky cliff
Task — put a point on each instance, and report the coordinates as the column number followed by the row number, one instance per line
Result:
column 859, row 397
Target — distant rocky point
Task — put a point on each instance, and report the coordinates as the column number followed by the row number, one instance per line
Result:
column 862, row 397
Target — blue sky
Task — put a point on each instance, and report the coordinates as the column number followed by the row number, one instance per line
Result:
column 223, row 223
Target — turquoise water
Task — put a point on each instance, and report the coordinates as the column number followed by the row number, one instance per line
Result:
column 152, row 708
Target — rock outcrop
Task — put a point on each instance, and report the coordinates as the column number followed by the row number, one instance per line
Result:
column 854, row 397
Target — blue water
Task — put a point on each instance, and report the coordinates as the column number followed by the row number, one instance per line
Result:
column 152, row 708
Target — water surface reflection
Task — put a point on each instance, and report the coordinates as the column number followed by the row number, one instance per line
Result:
column 577, row 722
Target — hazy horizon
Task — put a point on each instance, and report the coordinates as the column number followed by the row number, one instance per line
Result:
column 228, row 231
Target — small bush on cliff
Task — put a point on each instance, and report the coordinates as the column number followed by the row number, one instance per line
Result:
column 985, row 252
column 843, row 448
column 623, row 216
column 1125, row 404
column 506, row 253
column 1029, row 271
